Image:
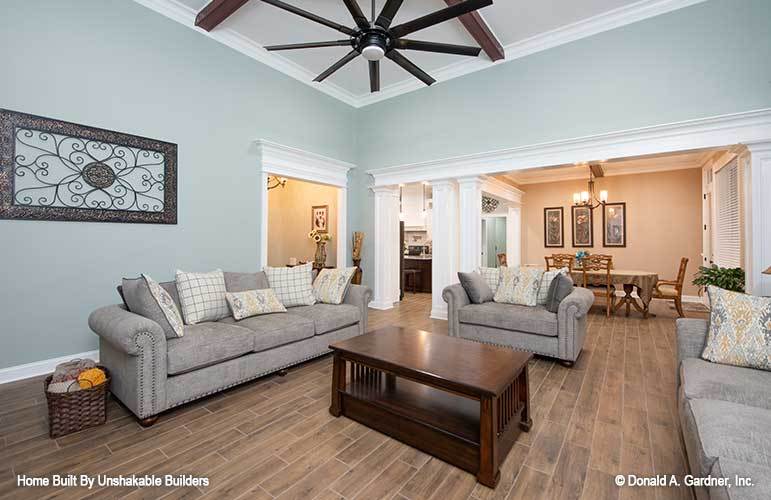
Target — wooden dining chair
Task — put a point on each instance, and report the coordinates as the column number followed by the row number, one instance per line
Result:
column 602, row 287
column 559, row 260
column 502, row 260
column 673, row 289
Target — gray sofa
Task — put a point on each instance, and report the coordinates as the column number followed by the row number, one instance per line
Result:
column 558, row 335
column 725, row 415
column 151, row 374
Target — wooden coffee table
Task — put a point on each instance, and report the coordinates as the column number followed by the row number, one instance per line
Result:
column 461, row 401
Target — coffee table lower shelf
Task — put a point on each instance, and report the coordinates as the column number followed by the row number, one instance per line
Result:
column 443, row 424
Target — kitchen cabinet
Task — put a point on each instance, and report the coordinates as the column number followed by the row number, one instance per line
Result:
column 422, row 264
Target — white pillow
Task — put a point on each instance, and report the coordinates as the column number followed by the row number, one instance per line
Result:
column 519, row 285
column 548, row 277
column 293, row 285
column 492, row 276
column 202, row 296
column 331, row 284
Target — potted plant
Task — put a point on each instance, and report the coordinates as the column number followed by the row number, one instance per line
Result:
column 727, row 278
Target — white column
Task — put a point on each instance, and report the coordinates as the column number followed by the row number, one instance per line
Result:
column 262, row 257
column 470, row 212
column 343, row 238
column 757, row 211
column 386, row 287
column 444, row 266
column 514, row 235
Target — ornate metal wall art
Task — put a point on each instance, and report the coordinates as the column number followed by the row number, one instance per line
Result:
column 55, row 170
column 489, row 205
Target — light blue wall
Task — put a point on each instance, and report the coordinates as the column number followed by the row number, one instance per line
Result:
column 709, row 59
column 117, row 65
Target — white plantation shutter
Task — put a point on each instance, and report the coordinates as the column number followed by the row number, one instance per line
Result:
column 728, row 230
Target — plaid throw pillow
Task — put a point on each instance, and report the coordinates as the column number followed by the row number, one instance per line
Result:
column 293, row 285
column 202, row 296
column 492, row 276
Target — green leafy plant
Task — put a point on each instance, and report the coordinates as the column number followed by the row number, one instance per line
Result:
column 722, row 277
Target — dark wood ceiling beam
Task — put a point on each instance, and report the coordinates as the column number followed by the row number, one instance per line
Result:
column 481, row 32
column 217, row 11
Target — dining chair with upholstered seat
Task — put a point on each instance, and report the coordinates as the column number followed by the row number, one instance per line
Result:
column 559, row 260
column 673, row 289
column 600, row 283
column 502, row 261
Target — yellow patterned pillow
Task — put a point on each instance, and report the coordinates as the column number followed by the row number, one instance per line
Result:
column 253, row 302
column 519, row 285
column 739, row 329
column 331, row 284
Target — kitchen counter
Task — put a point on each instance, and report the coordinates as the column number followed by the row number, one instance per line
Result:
column 421, row 263
column 417, row 257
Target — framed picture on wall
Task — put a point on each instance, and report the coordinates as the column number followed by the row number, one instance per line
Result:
column 583, row 227
column 320, row 218
column 553, row 227
column 614, row 225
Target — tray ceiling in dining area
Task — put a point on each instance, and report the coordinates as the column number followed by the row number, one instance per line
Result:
column 520, row 26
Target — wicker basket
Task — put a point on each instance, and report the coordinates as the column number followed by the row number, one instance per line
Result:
column 70, row 412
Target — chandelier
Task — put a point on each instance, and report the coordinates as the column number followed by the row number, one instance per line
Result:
column 589, row 198
column 274, row 182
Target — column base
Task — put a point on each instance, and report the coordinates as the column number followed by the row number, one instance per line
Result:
column 439, row 312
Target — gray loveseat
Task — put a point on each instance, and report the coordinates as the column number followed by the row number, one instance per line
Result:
column 725, row 415
column 558, row 335
column 151, row 374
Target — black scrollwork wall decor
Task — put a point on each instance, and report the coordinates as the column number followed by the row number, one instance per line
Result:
column 55, row 170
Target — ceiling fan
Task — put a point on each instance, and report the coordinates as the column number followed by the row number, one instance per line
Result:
column 375, row 39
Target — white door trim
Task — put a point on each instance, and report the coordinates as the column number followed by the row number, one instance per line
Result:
column 724, row 130
column 285, row 161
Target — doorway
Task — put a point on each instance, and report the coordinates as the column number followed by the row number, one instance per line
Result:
column 493, row 240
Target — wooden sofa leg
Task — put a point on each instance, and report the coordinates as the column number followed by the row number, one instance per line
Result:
column 566, row 363
column 149, row 421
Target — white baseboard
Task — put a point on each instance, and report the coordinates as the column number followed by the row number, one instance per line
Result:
column 43, row 367
column 439, row 313
column 381, row 306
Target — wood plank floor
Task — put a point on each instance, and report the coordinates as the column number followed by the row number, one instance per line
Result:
column 274, row 438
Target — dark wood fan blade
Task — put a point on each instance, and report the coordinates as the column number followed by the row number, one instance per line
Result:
column 309, row 45
column 410, row 67
column 444, row 48
column 437, row 17
column 388, row 13
column 350, row 56
column 310, row 16
column 357, row 14
column 374, row 76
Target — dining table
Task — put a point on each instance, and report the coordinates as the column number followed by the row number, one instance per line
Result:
column 644, row 282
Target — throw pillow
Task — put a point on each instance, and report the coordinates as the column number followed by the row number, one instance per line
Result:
column 561, row 286
column 202, row 296
column 739, row 329
column 492, row 276
column 253, row 303
column 476, row 287
column 293, row 285
column 519, row 285
column 145, row 297
column 548, row 277
column 331, row 285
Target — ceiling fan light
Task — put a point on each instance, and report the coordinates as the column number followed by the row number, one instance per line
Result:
column 373, row 53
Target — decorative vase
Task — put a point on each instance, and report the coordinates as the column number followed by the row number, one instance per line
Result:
column 320, row 260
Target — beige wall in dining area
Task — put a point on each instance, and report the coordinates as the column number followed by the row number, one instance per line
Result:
column 663, row 221
column 289, row 221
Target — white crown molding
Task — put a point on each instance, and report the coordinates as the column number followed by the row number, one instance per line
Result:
column 502, row 190
column 616, row 18
column 287, row 161
column 572, row 176
column 186, row 16
column 43, row 367
column 724, row 130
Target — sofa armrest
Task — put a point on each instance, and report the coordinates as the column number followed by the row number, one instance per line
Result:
column 456, row 297
column 359, row 296
column 126, row 331
column 691, row 338
column 571, row 321
column 133, row 348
